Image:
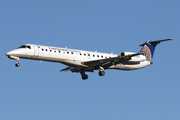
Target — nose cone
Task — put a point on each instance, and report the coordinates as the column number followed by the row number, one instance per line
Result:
column 13, row 52
column 8, row 53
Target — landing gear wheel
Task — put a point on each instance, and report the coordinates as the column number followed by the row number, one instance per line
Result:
column 17, row 64
column 101, row 73
column 84, row 77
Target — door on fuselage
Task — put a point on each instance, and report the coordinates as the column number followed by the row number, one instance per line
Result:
column 36, row 50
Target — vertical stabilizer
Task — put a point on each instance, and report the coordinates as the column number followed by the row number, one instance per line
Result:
column 149, row 48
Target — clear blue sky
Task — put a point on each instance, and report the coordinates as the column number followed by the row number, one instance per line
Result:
column 37, row 91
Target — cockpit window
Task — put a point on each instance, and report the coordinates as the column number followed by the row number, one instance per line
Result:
column 25, row 46
column 29, row 47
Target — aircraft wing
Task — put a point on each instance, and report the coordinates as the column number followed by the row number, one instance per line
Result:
column 110, row 61
column 67, row 69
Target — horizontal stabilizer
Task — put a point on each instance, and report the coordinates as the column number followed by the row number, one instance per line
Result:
column 157, row 41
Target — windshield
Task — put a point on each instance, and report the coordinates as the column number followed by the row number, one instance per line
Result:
column 25, row 46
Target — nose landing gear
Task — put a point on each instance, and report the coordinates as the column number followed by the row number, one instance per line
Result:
column 14, row 58
column 17, row 64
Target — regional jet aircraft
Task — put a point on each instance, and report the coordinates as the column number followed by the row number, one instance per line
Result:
column 81, row 61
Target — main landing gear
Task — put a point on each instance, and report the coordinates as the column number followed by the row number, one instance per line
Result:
column 84, row 76
column 101, row 73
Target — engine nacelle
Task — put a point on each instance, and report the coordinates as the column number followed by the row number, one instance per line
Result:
column 138, row 58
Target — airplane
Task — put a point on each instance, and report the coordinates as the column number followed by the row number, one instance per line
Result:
column 81, row 61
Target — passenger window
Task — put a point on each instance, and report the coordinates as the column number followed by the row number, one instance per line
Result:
column 97, row 55
column 67, row 52
column 42, row 49
column 88, row 54
column 71, row 52
column 80, row 54
column 84, row 54
column 46, row 50
column 101, row 56
column 93, row 55
column 59, row 51
column 50, row 50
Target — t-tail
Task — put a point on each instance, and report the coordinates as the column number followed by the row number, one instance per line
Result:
column 149, row 48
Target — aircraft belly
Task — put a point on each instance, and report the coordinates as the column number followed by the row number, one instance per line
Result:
column 62, row 59
column 130, row 67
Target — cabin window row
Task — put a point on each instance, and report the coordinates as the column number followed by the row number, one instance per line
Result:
column 73, row 53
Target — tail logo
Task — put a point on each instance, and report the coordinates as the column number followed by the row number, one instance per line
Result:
column 146, row 52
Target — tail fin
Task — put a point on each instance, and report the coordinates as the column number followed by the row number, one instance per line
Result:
column 149, row 48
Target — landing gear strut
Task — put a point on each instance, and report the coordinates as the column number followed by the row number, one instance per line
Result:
column 84, row 76
column 17, row 63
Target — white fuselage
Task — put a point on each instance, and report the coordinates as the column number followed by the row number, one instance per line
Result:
column 70, row 57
